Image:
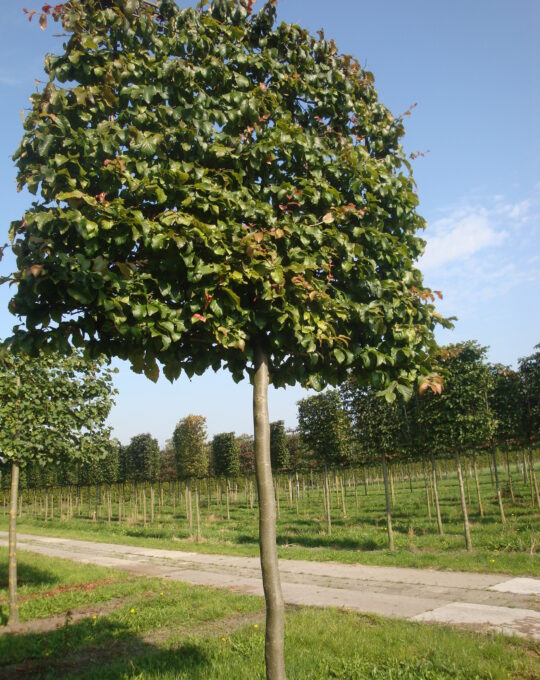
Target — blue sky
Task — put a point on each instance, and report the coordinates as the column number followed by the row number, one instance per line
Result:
column 473, row 67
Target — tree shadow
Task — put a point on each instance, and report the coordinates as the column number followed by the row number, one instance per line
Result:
column 76, row 649
column 27, row 575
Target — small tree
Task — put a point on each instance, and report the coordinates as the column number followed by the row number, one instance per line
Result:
column 325, row 429
column 246, row 454
column 279, row 453
column 220, row 189
column 380, row 431
column 225, row 454
column 142, row 458
column 49, row 408
column 189, row 441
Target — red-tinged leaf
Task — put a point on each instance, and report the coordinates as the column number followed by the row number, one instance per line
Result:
column 35, row 269
column 263, row 87
column 258, row 236
column 102, row 196
column 208, row 300
column 46, row 8
column 43, row 21
column 438, row 294
column 199, row 317
column 30, row 13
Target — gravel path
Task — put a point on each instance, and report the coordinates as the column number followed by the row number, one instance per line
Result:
column 481, row 601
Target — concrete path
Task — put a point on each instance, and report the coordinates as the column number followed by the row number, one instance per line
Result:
column 481, row 601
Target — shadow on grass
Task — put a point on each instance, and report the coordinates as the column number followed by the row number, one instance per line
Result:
column 330, row 542
column 86, row 648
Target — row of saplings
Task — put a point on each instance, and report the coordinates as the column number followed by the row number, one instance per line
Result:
column 482, row 408
column 149, row 501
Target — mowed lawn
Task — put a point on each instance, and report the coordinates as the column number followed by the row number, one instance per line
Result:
column 357, row 537
column 91, row 622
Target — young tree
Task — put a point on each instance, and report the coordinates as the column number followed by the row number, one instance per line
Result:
column 380, row 430
column 142, row 458
column 50, row 407
column 325, row 429
column 246, row 455
column 191, row 453
column 225, row 454
column 279, row 453
column 217, row 189
column 459, row 419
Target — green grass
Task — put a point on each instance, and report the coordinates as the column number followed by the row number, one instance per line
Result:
column 358, row 538
column 168, row 630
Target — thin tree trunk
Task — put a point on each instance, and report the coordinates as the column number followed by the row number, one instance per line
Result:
column 388, row 505
column 275, row 611
column 427, row 490
column 197, row 511
column 391, row 477
column 463, row 504
column 436, row 496
column 343, row 506
column 497, row 485
column 477, row 483
column 13, row 616
column 327, row 501
column 534, row 483
column 227, row 491
column 510, row 486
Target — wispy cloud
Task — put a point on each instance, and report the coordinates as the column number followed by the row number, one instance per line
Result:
column 470, row 229
column 480, row 250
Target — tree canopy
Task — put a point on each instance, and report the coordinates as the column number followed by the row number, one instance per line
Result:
column 53, row 408
column 208, row 179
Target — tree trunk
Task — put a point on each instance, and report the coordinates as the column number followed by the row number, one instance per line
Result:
column 327, row 501
column 275, row 611
column 197, row 511
column 388, row 505
column 436, row 496
column 534, row 483
column 497, row 485
column 13, row 617
column 510, row 486
column 477, row 483
column 463, row 504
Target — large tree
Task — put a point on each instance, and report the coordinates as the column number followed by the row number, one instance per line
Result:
column 219, row 190
column 52, row 409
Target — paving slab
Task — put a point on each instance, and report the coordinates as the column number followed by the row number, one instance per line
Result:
column 522, row 622
column 520, row 586
column 495, row 601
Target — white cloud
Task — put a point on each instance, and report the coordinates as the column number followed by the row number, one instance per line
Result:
column 468, row 230
column 458, row 237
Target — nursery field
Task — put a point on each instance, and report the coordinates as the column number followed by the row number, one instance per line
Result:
column 165, row 515
column 90, row 622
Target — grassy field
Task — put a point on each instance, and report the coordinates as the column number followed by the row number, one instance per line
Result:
column 358, row 537
column 113, row 625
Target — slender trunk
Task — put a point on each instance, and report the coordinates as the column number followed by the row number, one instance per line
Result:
column 275, row 611
column 525, row 477
column 463, row 504
column 13, row 617
column 327, row 501
column 497, row 485
column 509, row 477
column 436, row 496
column 534, row 483
column 152, row 502
column 228, row 510
column 477, row 483
column 388, row 505
column 343, row 506
column 427, row 490
column 198, row 514
column 391, row 477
